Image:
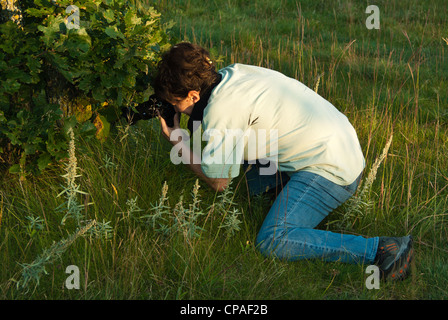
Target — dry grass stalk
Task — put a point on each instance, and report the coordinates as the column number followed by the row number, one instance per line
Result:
column 373, row 171
column 359, row 203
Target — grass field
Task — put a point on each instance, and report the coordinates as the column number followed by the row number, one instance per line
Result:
column 158, row 235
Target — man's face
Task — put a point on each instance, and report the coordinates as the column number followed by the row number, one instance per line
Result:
column 185, row 105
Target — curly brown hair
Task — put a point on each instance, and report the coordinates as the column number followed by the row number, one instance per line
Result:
column 183, row 68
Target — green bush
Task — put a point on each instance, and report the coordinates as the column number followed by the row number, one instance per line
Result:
column 54, row 77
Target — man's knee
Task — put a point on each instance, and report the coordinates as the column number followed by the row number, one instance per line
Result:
column 267, row 238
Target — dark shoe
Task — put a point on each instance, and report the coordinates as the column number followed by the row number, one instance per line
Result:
column 393, row 257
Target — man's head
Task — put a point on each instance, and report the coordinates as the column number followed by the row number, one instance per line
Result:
column 184, row 73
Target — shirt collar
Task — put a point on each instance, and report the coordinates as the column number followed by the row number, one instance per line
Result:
column 197, row 114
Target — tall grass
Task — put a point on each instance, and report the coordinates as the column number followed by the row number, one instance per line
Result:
column 160, row 234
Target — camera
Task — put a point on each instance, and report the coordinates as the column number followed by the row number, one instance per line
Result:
column 148, row 110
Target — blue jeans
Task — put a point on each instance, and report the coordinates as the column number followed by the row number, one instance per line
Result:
column 288, row 230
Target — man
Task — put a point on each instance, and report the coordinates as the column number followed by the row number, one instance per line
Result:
column 313, row 145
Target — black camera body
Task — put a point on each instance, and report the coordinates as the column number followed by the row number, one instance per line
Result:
column 148, row 110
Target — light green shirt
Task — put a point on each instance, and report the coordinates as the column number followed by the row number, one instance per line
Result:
column 284, row 120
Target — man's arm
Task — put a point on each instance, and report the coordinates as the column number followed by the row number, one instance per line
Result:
column 189, row 157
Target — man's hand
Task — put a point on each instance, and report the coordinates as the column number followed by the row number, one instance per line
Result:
column 190, row 158
column 166, row 130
